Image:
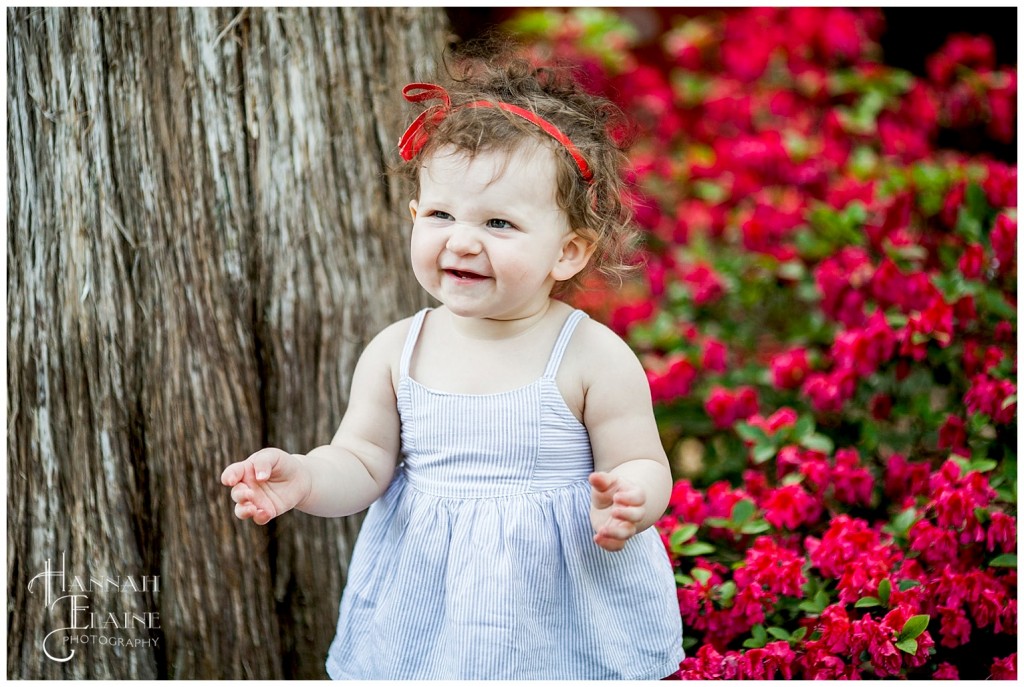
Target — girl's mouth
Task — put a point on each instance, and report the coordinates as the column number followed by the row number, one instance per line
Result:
column 463, row 275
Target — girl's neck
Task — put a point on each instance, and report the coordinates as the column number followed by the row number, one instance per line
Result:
column 491, row 329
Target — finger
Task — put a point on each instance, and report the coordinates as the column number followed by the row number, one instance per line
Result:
column 262, row 517
column 261, row 464
column 632, row 514
column 609, row 543
column 603, row 485
column 629, row 497
column 241, row 493
column 232, row 474
column 618, row 529
column 603, row 481
column 244, row 511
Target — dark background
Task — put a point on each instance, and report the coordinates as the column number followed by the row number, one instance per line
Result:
column 911, row 35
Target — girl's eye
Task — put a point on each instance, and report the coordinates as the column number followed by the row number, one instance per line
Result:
column 441, row 215
column 500, row 224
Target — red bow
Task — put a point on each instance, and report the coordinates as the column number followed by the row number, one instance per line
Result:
column 415, row 137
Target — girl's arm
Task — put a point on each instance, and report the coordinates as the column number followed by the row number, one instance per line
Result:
column 632, row 482
column 345, row 476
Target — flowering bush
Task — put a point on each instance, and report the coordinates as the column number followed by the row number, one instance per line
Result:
column 827, row 316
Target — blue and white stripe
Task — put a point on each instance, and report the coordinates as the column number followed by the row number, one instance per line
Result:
column 479, row 563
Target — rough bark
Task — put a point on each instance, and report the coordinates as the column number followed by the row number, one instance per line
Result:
column 201, row 240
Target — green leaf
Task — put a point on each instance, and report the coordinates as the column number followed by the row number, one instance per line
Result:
column 1006, row 560
column 683, row 580
column 804, row 427
column 884, row 590
column 982, row 465
column 683, row 534
column 800, row 633
column 904, row 585
column 717, row 522
column 779, row 633
column 726, row 591
column 762, row 453
column 818, row 442
column 755, row 527
column 867, row 602
column 902, row 523
column 914, row 626
column 742, row 511
column 907, row 645
column 702, row 575
column 698, row 548
column 751, row 433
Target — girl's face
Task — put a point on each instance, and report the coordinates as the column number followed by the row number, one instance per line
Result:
column 489, row 239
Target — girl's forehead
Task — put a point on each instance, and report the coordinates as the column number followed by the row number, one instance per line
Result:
column 533, row 161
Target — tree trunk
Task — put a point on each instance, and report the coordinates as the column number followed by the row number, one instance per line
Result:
column 200, row 243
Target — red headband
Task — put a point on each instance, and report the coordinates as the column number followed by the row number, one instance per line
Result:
column 414, row 138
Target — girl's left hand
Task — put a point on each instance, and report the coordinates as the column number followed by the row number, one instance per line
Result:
column 617, row 506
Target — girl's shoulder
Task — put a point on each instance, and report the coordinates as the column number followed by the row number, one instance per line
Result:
column 595, row 342
column 385, row 349
column 595, row 352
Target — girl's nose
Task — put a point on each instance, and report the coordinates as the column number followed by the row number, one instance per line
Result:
column 463, row 240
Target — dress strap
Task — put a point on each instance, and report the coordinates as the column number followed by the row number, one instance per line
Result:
column 410, row 342
column 562, row 342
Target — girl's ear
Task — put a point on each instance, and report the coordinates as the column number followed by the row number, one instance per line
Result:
column 576, row 252
column 412, row 208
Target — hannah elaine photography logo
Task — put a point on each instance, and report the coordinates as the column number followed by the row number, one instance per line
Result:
column 71, row 598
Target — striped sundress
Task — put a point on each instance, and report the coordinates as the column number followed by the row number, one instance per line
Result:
column 478, row 562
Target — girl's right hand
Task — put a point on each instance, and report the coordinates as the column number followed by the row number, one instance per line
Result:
column 267, row 484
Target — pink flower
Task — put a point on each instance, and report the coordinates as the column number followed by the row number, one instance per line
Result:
column 750, row 603
column 774, row 568
column 791, row 506
column 863, row 350
column 992, row 397
column 972, row 261
column 1001, row 185
column 715, row 356
column 627, row 314
column 789, row 368
column 955, row 628
column 1005, row 668
column 819, row 665
column 727, row 406
column 877, row 640
column 830, row 391
column 960, row 51
column 934, row 323
column 853, row 483
column 671, row 379
column 839, row 278
column 834, row 626
column 686, row 503
column 978, row 359
column 703, row 282
column 853, row 553
column 1002, row 532
column 901, row 139
column 764, row 664
column 953, row 435
column 956, row 498
column 782, row 418
column 1004, row 242
column 706, row 665
column 937, row 546
column 946, row 671
column 903, row 480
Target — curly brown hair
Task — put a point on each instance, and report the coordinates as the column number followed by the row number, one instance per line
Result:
column 597, row 210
